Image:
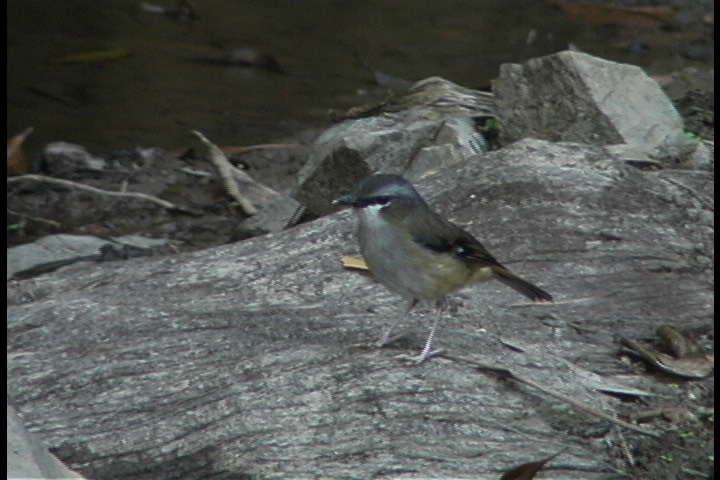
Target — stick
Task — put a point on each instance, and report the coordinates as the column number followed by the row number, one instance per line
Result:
column 227, row 174
column 81, row 186
column 35, row 219
column 261, row 146
column 576, row 403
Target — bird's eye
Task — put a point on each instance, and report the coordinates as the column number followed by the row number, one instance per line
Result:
column 383, row 200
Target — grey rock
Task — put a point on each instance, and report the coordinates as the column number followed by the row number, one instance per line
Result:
column 634, row 155
column 65, row 160
column 62, row 247
column 424, row 131
column 276, row 211
column 693, row 156
column 27, row 457
column 573, row 96
column 249, row 360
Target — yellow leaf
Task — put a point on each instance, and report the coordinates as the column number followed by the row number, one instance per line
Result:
column 354, row 262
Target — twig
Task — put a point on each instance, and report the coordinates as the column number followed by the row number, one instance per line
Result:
column 624, row 446
column 35, row 219
column 260, row 146
column 88, row 188
column 572, row 401
column 227, row 174
column 554, row 302
column 195, row 173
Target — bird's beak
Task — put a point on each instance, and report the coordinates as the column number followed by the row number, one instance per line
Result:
column 345, row 201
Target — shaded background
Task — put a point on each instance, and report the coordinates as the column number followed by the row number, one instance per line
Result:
column 154, row 96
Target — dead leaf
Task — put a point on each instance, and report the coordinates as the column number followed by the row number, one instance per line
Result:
column 527, row 471
column 687, row 360
column 677, row 343
column 354, row 263
column 17, row 162
column 626, row 17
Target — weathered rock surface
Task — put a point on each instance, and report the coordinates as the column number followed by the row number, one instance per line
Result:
column 27, row 457
column 241, row 361
column 55, row 251
column 573, row 96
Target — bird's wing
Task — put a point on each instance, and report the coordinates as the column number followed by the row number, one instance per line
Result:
column 440, row 235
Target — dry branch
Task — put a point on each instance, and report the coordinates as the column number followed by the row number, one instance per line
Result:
column 228, row 173
column 572, row 401
column 88, row 188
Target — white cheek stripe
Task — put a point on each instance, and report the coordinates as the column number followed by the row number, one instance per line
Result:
column 371, row 216
column 373, row 209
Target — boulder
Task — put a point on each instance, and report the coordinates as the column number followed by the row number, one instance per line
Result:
column 573, row 96
column 429, row 128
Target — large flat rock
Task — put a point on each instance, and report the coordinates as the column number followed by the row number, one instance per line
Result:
column 242, row 361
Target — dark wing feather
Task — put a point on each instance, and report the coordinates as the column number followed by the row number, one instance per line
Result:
column 440, row 235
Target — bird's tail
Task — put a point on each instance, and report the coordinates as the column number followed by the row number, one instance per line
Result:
column 526, row 288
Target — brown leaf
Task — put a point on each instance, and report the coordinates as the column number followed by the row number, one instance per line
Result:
column 527, row 471
column 687, row 360
column 17, row 163
column 627, row 17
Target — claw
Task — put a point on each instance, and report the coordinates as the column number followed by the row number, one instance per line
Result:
column 418, row 359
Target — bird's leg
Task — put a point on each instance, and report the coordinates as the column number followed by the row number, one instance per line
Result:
column 385, row 337
column 427, row 350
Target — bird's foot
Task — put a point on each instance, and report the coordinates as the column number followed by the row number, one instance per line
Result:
column 424, row 355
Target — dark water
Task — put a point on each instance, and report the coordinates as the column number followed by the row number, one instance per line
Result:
column 153, row 97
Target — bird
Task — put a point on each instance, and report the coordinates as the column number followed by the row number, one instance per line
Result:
column 418, row 254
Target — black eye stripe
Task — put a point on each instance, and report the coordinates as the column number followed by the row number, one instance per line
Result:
column 366, row 202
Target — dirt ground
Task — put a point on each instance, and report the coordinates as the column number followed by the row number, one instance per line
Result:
column 686, row 449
